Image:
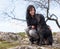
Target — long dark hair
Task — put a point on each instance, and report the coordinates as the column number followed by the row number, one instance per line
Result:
column 28, row 16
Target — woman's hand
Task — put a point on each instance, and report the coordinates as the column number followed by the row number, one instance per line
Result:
column 33, row 26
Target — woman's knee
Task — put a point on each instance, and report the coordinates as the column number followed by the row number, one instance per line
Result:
column 33, row 33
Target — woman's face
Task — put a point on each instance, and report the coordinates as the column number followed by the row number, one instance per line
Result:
column 32, row 11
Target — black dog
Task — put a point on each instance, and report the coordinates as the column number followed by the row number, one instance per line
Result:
column 44, row 31
column 46, row 36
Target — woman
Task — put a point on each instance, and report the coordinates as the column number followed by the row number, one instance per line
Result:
column 32, row 24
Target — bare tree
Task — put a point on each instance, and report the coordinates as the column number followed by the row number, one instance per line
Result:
column 45, row 4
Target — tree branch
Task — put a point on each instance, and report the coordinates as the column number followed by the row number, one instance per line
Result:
column 56, row 20
column 14, row 17
column 58, row 1
column 53, row 15
column 38, row 3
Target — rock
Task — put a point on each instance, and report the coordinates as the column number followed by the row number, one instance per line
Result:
column 25, row 44
column 9, row 37
column 25, row 47
column 56, row 38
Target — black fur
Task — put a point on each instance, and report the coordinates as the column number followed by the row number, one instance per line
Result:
column 44, row 31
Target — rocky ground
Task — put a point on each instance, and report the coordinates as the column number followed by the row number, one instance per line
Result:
column 24, row 43
column 9, row 37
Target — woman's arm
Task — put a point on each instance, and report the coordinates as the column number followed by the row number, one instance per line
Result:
column 28, row 22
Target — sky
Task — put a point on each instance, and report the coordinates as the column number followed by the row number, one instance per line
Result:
column 10, row 25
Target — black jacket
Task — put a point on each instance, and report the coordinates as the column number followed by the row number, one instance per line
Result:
column 38, row 19
column 32, row 21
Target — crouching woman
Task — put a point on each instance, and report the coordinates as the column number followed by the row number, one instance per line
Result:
column 31, row 24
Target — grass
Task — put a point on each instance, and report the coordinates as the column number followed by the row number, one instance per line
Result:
column 22, row 34
column 5, row 44
column 56, row 48
column 39, row 48
column 54, row 33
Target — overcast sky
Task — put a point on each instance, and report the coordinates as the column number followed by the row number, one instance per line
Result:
column 9, row 25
